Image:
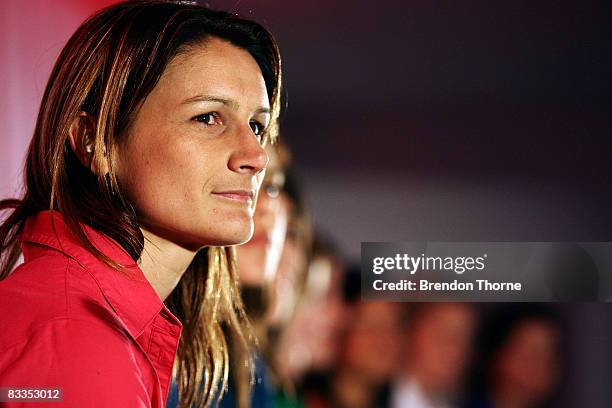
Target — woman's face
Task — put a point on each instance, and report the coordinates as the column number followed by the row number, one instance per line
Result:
column 439, row 345
column 192, row 161
column 372, row 342
column 528, row 363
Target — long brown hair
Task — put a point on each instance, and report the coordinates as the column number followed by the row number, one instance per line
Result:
column 107, row 68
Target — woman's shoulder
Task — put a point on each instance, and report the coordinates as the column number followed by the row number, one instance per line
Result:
column 85, row 358
column 44, row 290
column 55, row 317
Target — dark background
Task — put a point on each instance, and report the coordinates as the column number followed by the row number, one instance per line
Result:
column 446, row 120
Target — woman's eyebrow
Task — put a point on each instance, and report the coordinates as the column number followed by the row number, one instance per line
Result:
column 230, row 103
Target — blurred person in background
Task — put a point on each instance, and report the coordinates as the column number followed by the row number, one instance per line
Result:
column 519, row 364
column 258, row 260
column 308, row 347
column 282, row 251
column 436, row 350
column 369, row 351
column 288, row 285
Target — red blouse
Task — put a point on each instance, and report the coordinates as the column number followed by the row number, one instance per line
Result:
column 69, row 321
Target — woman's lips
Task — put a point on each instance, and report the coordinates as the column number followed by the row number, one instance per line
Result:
column 237, row 195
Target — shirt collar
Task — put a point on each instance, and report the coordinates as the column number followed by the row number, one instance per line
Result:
column 127, row 291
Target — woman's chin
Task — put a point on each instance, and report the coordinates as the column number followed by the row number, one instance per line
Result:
column 235, row 236
column 233, row 232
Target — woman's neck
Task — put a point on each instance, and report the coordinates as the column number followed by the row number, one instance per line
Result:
column 163, row 263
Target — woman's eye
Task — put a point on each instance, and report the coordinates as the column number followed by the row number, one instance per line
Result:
column 272, row 190
column 209, row 119
column 257, row 128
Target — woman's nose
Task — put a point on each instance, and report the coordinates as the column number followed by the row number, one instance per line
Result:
column 249, row 156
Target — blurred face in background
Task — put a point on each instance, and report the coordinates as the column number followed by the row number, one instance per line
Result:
column 439, row 346
column 528, row 364
column 372, row 340
column 291, row 270
column 258, row 259
column 311, row 340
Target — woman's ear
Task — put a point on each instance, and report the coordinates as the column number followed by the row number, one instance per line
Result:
column 81, row 136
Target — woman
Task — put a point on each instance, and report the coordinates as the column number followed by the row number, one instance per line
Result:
column 307, row 350
column 520, row 360
column 143, row 170
column 370, row 350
